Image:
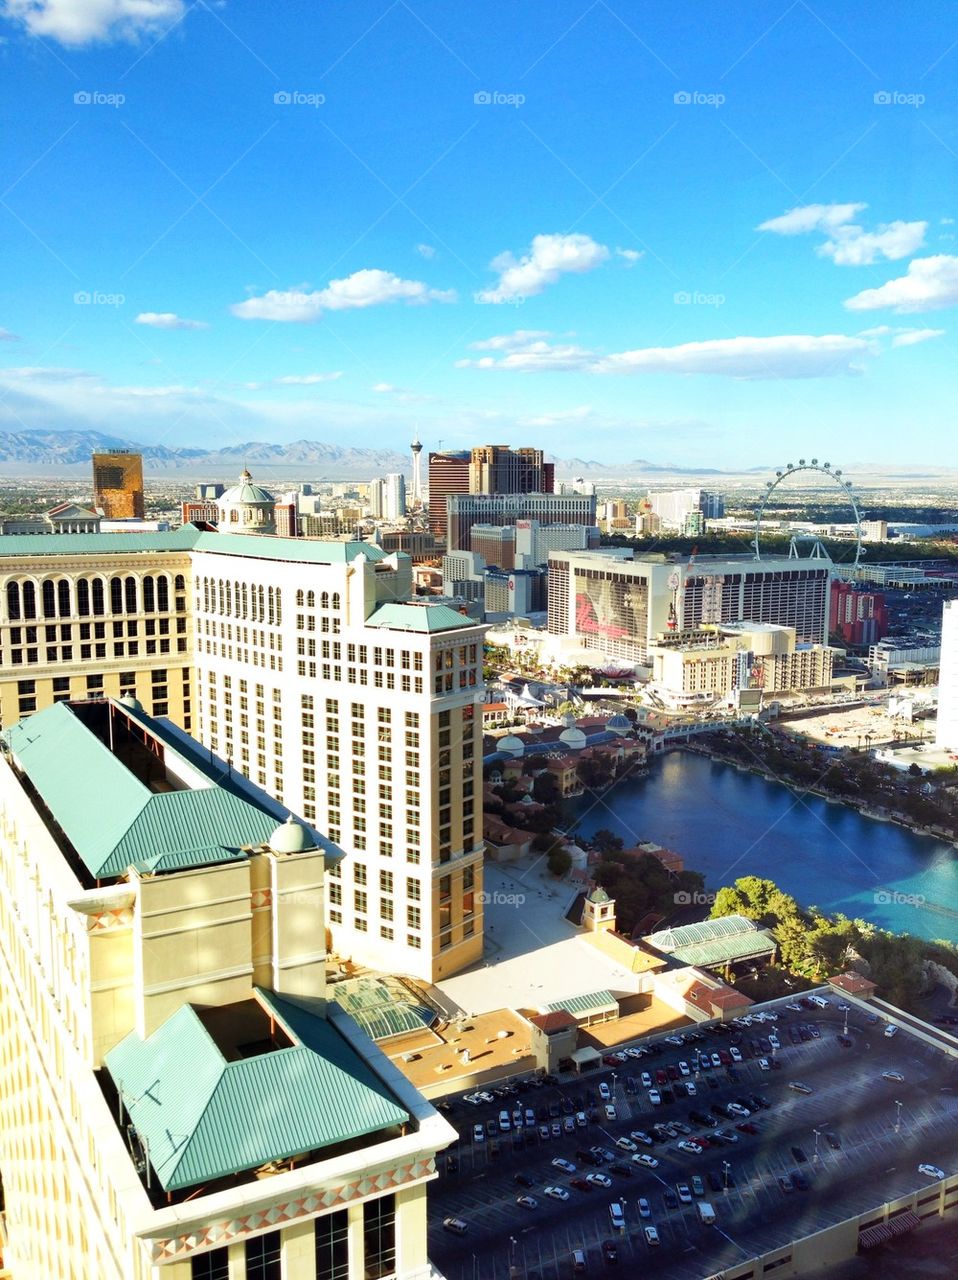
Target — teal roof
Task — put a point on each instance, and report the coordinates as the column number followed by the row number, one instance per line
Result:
column 589, row 1002
column 382, row 1006
column 418, row 617
column 99, row 544
column 190, row 538
column 711, row 942
column 201, row 1117
column 299, row 550
column 113, row 819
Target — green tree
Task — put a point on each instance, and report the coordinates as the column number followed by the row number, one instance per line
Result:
column 559, row 861
column 607, row 841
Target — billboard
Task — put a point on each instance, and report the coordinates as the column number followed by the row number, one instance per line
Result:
column 611, row 606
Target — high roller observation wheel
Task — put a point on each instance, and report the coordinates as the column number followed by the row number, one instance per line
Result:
column 822, row 468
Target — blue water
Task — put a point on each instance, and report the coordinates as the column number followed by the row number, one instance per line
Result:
column 726, row 824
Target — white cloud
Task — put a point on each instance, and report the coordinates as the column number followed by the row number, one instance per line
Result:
column 556, row 419
column 7, row 336
column 366, row 288
column 549, row 257
column 148, row 393
column 929, row 285
column 510, row 341
column 45, row 373
column 848, row 244
column 631, row 256
column 852, row 246
column 307, row 379
column 788, row 356
column 79, row 22
column 911, row 337
column 812, row 217
column 426, row 250
column 168, row 320
column 403, row 395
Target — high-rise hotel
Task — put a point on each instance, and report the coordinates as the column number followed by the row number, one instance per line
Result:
column 311, row 669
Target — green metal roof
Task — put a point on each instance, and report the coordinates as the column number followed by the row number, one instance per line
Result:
column 741, row 946
column 297, row 550
column 113, row 819
column 99, row 544
column 190, row 538
column 418, row 617
column 702, row 931
column 382, row 1006
column 589, row 1002
column 201, row 1117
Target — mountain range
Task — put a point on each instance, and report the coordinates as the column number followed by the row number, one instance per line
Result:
column 23, row 451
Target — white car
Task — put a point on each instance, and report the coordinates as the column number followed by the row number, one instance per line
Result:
column 646, row 1080
column 735, row 1053
column 795, row 1008
column 684, row 1069
column 647, row 1161
column 565, row 1165
column 598, row 1179
column 674, row 1040
column 617, row 1216
column 555, row 1193
column 605, row 1093
column 505, row 1122
column 527, row 1202
column 765, row 1064
column 610, row 1112
column 651, row 1236
column 692, row 1148
column 774, row 1041
column 635, row 1053
column 890, row 1030
column 455, row 1225
column 645, row 1209
column 655, row 1097
column 639, row 1135
column 581, row 1119
column 932, row 1171
column 716, row 1060
column 478, row 1133
column 737, row 1109
column 626, row 1144
column 690, row 1089
column 893, row 1075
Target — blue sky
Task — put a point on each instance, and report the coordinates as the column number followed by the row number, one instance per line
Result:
column 718, row 235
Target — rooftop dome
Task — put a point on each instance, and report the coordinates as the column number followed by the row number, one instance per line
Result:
column 511, row 745
column 246, row 491
column 290, row 837
column 572, row 738
column 599, row 895
column 128, row 700
column 619, row 723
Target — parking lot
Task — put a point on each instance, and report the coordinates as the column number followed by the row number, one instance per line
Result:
column 867, row 1149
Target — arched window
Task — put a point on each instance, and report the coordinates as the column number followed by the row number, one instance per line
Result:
column 49, row 600
column 262, row 604
column 229, row 598
column 245, row 602
column 29, row 600
column 311, row 599
column 300, row 598
column 206, row 595
column 324, row 600
column 130, row 595
column 99, row 605
column 149, row 595
column 83, row 598
column 63, row 598
column 335, row 599
column 13, row 601
column 116, row 595
column 179, row 583
column 163, row 593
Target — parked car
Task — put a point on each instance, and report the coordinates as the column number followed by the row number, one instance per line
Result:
column 799, row 1087
column 684, row 1192
column 527, row 1202
column 556, row 1193
column 645, row 1209
column 455, row 1225
column 647, row 1161
column 565, row 1165
column 890, row 1031
column 598, row 1180
column 478, row 1133
column 651, row 1236
column 932, row 1171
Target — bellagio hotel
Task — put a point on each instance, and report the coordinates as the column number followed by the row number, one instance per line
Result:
column 310, row 668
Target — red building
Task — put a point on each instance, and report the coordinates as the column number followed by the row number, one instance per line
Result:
column 859, row 617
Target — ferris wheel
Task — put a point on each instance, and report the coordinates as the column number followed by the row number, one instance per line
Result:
column 834, row 476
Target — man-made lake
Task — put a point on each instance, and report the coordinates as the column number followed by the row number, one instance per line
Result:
column 726, row 824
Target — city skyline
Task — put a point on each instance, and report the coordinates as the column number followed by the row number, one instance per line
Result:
column 702, row 247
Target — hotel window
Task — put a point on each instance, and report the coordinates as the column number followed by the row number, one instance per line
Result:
column 386, row 881
column 386, row 931
column 379, row 1237
column 332, row 1246
column 413, row 941
column 412, row 855
column 359, row 873
column 264, row 1257
column 413, row 918
column 413, row 888
column 214, row 1265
